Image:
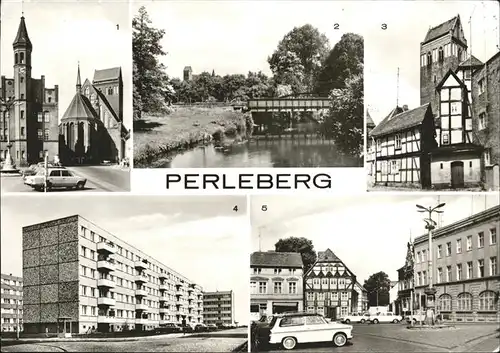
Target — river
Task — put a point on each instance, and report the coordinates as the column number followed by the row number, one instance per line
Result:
column 262, row 153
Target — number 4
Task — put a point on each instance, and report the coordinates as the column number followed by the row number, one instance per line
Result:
column 235, row 208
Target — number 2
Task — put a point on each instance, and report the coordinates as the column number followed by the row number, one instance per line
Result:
column 336, row 26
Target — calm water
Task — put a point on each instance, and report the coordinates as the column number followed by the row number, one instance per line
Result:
column 281, row 153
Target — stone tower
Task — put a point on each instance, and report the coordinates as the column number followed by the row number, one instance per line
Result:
column 443, row 48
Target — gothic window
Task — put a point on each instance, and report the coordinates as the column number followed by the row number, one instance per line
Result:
column 21, row 58
column 110, row 91
column 429, row 58
column 87, row 91
column 16, row 58
column 441, row 54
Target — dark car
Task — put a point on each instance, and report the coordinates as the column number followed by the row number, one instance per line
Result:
column 168, row 328
column 201, row 328
column 261, row 330
column 187, row 328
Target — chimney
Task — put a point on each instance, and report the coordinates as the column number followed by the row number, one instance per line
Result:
column 405, row 107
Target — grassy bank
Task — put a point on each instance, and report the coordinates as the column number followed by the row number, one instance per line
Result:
column 158, row 137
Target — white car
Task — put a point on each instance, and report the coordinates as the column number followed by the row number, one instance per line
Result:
column 57, row 178
column 355, row 317
column 385, row 317
column 291, row 329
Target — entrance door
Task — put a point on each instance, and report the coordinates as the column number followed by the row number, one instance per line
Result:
column 331, row 312
column 457, row 175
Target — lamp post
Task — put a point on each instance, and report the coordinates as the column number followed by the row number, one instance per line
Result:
column 9, row 166
column 430, row 291
column 17, row 312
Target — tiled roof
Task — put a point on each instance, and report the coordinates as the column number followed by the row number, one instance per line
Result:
column 79, row 108
column 276, row 259
column 107, row 74
column 327, row 255
column 472, row 61
column 440, row 30
column 399, row 120
column 22, row 35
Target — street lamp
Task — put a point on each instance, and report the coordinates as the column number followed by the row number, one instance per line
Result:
column 17, row 311
column 9, row 166
column 430, row 291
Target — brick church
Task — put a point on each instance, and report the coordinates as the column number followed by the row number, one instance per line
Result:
column 91, row 130
column 452, row 140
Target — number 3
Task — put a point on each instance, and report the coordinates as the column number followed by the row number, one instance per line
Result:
column 384, row 26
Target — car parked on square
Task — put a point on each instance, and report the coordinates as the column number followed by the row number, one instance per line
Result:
column 387, row 317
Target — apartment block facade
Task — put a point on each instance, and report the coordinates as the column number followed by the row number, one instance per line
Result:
column 276, row 283
column 465, row 268
column 11, row 303
column 78, row 275
column 218, row 308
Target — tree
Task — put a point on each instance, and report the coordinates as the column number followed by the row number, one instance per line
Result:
column 149, row 77
column 344, row 121
column 301, row 245
column 344, row 61
column 378, row 286
column 298, row 57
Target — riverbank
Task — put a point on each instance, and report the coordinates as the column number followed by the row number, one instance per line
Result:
column 160, row 137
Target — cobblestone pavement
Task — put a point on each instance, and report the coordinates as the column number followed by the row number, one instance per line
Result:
column 397, row 338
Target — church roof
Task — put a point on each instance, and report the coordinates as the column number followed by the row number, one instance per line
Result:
column 472, row 61
column 22, row 37
column 108, row 105
column 441, row 30
column 79, row 108
column 276, row 259
column 188, row 68
column 327, row 255
column 113, row 73
column 399, row 120
column 369, row 120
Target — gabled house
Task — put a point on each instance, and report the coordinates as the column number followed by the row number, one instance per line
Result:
column 402, row 142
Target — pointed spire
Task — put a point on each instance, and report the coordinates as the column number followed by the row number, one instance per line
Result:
column 78, row 81
column 22, row 38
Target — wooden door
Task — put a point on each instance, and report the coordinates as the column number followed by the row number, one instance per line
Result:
column 457, row 175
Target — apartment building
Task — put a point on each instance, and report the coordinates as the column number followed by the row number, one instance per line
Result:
column 12, row 302
column 78, row 275
column 465, row 268
column 275, row 283
column 218, row 308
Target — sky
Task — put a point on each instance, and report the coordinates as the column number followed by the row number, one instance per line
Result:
column 369, row 233
column 64, row 33
column 202, row 238
column 399, row 46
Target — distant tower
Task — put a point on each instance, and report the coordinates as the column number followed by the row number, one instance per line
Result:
column 22, row 81
column 188, row 73
column 213, row 73
column 443, row 48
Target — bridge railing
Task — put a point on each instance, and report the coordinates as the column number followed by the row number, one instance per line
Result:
column 280, row 104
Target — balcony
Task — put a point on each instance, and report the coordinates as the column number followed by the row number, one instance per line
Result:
column 105, row 282
column 163, row 286
column 141, row 293
column 142, row 278
column 190, row 290
column 139, row 265
column 142, row 307
column 141, row 321
column 162, row 299
column 106, row 301
column 164, row 311
column 162, row 276
column 106, row 247
column 105, row 265
column 101, row 319
column 179, row 292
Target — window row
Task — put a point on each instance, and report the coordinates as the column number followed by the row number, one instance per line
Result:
column 43, row 116
column 470, row 271
column 438, row 54
column 43, row 134
column 277, row 288
column 327, row 295
column 276, row 271
column 487, row 301
column 12, row 301
column 469, row 244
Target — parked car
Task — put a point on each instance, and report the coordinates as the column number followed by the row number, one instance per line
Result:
column 292, row 329
column 168, row 328
column 187, row 328
column 201, row 328
column 57, row 178
column 212, row 327
column 355, row 317
column 385, row 317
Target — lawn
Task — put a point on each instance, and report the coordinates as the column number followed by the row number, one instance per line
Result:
column 157, row 137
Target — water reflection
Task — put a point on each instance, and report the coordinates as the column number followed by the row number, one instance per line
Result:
column 277, row 153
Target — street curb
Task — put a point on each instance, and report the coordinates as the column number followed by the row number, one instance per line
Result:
column 474, row 341
column 102, row 184
column 241, row 347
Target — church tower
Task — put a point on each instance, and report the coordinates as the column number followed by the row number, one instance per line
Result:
column 22, row 92
column 443, row 48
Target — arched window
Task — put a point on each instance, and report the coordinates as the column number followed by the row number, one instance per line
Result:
column 444, row 302
column 487, row 301
column 429, row 58
column 441, row 54
column 21, row 58
column 16, row 58
column 464, row 302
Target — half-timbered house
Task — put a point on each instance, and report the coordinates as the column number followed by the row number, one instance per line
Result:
column 402, row 142
column 330, row 287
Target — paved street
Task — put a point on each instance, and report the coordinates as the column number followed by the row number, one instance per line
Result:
column 99, row 178
column 397, row 338
column 225, row 341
